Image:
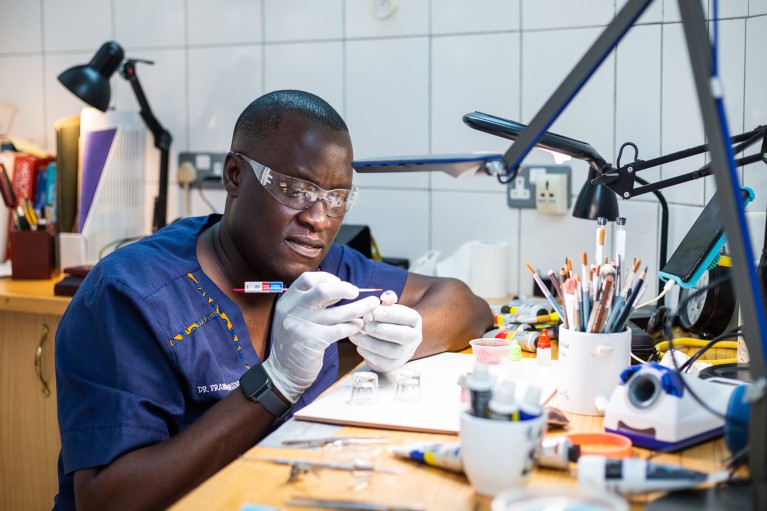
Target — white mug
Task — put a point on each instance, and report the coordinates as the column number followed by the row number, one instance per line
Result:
column 590, row 366
column 499, row 454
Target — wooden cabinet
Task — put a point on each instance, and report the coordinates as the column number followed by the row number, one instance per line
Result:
column 29, row 433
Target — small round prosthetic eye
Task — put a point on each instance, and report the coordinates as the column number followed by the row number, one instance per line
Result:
column 388, row 297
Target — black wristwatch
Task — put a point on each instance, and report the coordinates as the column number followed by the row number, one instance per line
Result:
column 257, row 386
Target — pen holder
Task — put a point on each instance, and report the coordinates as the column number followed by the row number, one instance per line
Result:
column 590, row 366
column 31, row 255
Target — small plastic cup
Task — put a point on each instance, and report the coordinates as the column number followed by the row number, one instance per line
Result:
column 408, row 389
column 490, row 351
column 364, row 388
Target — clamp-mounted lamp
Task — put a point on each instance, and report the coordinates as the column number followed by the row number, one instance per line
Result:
column 594, row 200
column 90, row 82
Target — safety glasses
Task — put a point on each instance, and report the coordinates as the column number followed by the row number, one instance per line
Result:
column 299, row 194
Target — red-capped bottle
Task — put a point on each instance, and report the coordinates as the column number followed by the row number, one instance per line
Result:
column 543, row 352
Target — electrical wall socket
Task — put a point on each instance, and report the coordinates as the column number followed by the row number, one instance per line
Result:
column 209, row 167
column 521, row 191
column 552, row 194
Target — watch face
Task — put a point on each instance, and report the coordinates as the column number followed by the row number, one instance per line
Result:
column 709, row 313
column 694, row 307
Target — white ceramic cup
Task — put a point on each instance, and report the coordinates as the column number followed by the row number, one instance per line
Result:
column 590, row 366
column 499, row 454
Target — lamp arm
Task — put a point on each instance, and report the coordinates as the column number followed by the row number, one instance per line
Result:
column 663, row 228
column 162, row 141
column 621, row 180
column 162, row 138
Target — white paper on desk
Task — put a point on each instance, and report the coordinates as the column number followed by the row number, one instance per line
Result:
column 440, row 407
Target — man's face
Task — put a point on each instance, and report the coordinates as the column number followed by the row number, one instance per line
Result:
column 276, row 241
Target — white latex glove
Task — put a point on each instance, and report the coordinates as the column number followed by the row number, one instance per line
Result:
column 391, row 335
column 304, row 326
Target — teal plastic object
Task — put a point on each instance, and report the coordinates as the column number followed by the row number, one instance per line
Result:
column 710, row 259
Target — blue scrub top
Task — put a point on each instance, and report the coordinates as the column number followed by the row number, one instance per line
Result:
column 149, row 343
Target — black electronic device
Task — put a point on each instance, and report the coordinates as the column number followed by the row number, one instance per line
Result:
column 700, row 247
column 709, row 312
column 357, row 237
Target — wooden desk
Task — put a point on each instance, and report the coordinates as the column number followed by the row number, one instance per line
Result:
column 29, row 431
column 257, row 482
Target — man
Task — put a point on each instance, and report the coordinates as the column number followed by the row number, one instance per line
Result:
column 151, row 350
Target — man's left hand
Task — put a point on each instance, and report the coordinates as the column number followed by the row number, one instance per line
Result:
column 390, row 337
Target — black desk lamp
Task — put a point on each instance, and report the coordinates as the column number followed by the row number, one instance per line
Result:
column 595, row 201
column 90, row 82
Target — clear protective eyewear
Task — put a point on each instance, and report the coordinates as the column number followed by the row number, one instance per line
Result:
column 299, row 194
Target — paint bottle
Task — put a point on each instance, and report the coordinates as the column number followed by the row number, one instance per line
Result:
column 503, row 406
column 530, row 407
column 441, row 455
column 558, row 452
column 515, row 351
column 527, row 339
column 543, row 351
column 480, row 385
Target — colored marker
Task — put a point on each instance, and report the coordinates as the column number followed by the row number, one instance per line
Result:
column 623, row 317
column 620, row 251
column 600, row 248
column 585, row 287
column 546, row 291
column 558, row 289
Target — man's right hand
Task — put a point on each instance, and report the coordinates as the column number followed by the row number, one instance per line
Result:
column 304, row 327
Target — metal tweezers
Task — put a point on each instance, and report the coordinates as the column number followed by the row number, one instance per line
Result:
column 352, row 467
column 352, row 505
column 343, row 440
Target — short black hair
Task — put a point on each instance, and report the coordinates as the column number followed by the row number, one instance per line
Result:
column 263, row 116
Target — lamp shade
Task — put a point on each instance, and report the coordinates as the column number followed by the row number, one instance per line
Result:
column 90, row 82
column 595, row 201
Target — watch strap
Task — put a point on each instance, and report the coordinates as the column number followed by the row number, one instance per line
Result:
column 272, row 402
column 257, row 386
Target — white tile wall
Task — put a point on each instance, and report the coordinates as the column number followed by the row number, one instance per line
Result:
column 459, row 217
column 653, row 13
column 147, row 24
column 221, row 84
column 565, row 14
column 316, row 67
column 398, row 219
column 387, row 103
column 408, row 18
column 21, row 84
column 681, row 121
column 671, row 10
column 472, row 73
column 76, row 24
column 300, row 20
column 21, row 27
column 224, row 22
column 402, row 84
column 637, row 98
column 757, row 7
column 481, row 16
column 755, row 109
